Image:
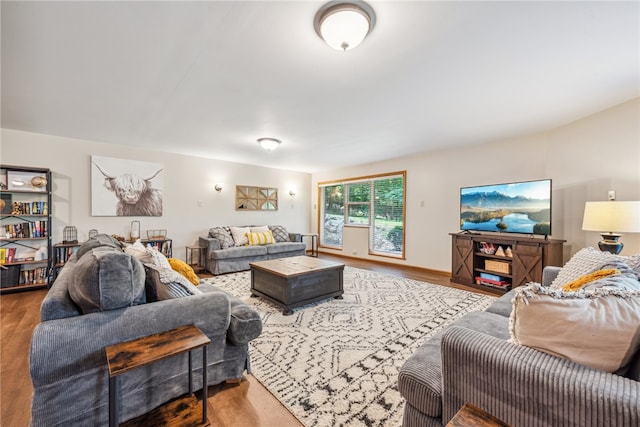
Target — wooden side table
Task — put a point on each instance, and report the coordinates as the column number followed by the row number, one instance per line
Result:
column 472, row 416
column 143, row 351
column 314, row 242
column 198, row 267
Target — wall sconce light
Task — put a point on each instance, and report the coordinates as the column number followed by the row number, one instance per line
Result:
column 292, row 193
column 218, row 187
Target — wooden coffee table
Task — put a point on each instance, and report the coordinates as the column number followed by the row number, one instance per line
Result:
column 296, row 281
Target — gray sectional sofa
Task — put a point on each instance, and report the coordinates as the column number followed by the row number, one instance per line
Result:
column 473, row 361
column 101, row 297
column 223, row 255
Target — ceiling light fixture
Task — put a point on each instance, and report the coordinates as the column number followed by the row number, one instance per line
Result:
column 343, row 25
column 269, row 143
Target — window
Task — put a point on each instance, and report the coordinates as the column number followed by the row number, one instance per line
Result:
column 374, row 202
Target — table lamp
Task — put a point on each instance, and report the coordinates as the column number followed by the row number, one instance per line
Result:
column 610, row 218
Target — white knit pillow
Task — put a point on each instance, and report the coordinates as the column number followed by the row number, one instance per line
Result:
column 587, row 261
column 240, row 235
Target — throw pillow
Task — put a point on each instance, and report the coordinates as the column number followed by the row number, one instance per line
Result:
column 588, row 260
column 596, row 327
column 154, row 288
column 107, row 279
column 223, row 234
column 138, row 250
column 158, row 259
column 263, row 238
column 240, row 235
column 260, row 229
column 280, row 233
column 184, row 269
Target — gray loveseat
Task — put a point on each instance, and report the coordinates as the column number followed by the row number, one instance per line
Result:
column 223, row 255
column 473, row 361
column 67, row 357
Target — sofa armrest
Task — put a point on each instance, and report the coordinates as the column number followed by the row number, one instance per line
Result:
column 549, row 273
column 245, row 325
column 523, row 386
column 295, row 237
column 65, row 347
column 210, row 243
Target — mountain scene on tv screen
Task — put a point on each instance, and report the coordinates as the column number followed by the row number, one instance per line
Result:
column 496, row 211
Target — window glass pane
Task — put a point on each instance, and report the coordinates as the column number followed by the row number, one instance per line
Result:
column 388, row 220
column 359, row 192
column 358, row 213
column 332, row 215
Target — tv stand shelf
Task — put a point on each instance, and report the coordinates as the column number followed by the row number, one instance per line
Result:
column 529, row 255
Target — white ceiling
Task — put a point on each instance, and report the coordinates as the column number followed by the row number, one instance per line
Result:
column 209, row 78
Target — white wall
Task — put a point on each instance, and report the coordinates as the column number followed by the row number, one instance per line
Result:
column 187, row 180
column 584, row 159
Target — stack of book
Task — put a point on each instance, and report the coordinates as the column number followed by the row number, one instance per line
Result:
column 493, row 281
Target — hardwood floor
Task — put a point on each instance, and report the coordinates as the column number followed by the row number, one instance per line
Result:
column 242, row 404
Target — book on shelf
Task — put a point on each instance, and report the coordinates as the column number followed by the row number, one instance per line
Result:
column 500, row 284
column 7, row 255
column 30, row 208
column 35, row 276
column 31, row 229
column 63, row 253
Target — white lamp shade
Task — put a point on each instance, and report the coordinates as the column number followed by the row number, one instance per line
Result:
column 344, row 29
column 344, row 24
column 614, row 217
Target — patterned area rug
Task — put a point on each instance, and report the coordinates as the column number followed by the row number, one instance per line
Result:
column 336, row 362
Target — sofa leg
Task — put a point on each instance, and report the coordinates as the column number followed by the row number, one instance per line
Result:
column 234, row 381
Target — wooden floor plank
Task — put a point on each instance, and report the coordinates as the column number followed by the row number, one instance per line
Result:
column 247, row 403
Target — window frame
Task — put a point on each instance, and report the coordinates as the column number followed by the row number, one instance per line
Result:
column 371, row 224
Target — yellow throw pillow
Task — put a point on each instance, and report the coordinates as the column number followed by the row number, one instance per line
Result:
column 184, row 269
column 261, row 238
column 574, row 285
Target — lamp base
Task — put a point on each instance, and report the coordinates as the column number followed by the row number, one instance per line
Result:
column 610, row 243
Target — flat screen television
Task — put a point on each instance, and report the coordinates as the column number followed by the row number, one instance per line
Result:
column 515, row 207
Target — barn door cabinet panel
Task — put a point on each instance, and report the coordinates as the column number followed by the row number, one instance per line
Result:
column 462, row 260
column 25, row 228
column 498, row 263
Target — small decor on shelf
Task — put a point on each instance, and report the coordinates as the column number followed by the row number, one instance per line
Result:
column 487, row 248
column 500, row 251
column 70, row 234
column 156, row 234
column 134, row 233
column 38, row 181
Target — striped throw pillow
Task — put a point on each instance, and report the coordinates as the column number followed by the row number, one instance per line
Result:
column 261, row 238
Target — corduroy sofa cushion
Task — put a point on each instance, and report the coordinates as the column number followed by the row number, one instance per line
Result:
column 107, row 278
column 420, row 379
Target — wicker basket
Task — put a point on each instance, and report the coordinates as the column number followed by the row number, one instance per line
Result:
column 156, row 234
column 498, row 266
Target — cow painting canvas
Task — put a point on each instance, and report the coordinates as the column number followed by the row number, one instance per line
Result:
column 122, row 187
